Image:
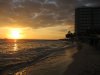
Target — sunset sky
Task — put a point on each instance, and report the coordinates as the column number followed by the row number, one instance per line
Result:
column 38, row 19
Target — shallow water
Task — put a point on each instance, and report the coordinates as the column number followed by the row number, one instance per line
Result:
column 16, row 51
column 36, row 58
column 12, row 46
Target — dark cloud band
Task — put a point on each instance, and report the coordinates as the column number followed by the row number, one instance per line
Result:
column 36, row 13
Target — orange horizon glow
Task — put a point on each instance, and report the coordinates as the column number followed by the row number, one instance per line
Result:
column 32, row 33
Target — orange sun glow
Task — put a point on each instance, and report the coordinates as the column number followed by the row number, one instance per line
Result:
column 15, row 34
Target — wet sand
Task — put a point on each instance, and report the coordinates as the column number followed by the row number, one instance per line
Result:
column 53, row 64
column 86, row 61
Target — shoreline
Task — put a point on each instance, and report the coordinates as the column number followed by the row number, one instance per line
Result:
column 32, row 62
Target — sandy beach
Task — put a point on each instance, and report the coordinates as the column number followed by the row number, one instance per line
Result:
column 86, row 61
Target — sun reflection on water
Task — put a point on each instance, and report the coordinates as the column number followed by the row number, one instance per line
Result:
column 15, row 47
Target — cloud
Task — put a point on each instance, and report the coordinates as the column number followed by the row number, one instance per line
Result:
column 88, row 2
column 36, row 13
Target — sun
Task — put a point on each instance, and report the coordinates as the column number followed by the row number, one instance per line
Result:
column 15, row 34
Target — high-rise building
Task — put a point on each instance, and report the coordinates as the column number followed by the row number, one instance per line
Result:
column 87, row 21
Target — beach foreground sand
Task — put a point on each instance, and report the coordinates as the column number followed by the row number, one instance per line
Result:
column 85, row 62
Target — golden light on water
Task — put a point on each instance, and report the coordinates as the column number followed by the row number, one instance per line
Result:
column 15, row 47
column 15, row 34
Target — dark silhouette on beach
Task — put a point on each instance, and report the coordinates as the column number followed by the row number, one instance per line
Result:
column 70, row 36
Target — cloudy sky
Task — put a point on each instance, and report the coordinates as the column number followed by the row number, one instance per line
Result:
column 88, row 3
column 38, row 19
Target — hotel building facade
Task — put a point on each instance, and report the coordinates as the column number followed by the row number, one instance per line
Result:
column 87, row 22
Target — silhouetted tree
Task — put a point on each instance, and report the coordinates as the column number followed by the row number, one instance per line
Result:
column 70, row 36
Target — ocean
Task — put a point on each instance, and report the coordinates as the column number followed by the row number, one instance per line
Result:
column 20, row 51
